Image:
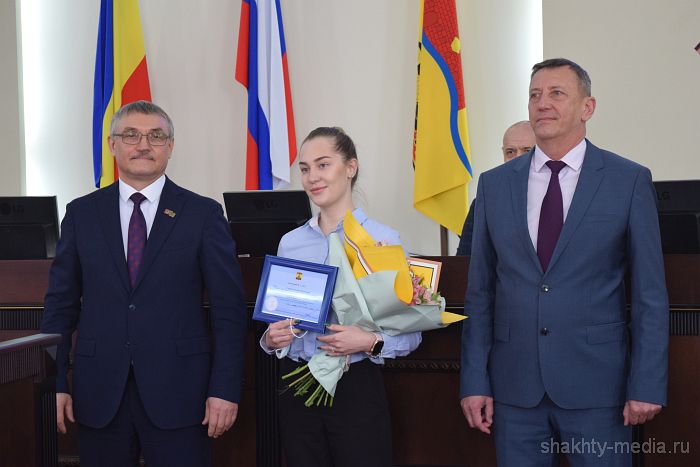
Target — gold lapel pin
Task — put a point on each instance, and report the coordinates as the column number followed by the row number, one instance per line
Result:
column 169, row 212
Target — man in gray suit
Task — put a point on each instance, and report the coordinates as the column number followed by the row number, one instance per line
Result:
column 550, row 354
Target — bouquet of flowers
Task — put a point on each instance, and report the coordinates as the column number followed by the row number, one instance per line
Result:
column 422, row 294
column 376, row 291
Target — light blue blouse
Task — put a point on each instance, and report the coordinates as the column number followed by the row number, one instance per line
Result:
column 308, row 243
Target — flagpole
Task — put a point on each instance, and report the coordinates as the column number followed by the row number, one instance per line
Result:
column 443, row 241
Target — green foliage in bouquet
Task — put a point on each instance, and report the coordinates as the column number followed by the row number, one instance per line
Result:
column 304, row 384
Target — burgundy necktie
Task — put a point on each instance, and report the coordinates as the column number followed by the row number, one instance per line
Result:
column 551, row 216
column 137, row 238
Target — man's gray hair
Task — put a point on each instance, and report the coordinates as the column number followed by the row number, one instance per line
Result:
column 141, row 107
column 583, row 79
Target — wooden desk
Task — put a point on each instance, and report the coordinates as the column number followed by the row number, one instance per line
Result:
column 27, row 400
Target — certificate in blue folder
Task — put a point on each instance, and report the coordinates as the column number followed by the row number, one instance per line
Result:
column 295, row 289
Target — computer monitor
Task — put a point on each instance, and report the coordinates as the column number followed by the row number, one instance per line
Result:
column 259, row 219
column 28, row 227
column 678, row 202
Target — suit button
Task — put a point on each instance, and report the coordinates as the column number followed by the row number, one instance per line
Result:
column 544, row 331
column 544, row 288
column 127, row 344
column 132, row 307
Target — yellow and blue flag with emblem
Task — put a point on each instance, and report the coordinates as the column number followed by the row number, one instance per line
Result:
column 441, row 143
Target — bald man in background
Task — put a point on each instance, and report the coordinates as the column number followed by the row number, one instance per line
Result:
column 518, row 139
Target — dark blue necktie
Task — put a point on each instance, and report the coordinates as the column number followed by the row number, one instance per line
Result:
column 137, row 238
column 551, row 216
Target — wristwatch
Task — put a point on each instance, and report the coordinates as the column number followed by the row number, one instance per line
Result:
column 377, row 347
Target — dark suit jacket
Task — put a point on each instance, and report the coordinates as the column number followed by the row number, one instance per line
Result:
column 159, row 327
column 465, row 240
column 566, row 330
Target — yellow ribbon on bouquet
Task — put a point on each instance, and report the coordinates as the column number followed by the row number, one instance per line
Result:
column 367, row 256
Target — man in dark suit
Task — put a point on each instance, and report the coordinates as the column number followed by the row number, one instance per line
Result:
column 517, row 140
column 134, row 259
column 550, row 354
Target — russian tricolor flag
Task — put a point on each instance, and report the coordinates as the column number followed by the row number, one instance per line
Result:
column 261, row 66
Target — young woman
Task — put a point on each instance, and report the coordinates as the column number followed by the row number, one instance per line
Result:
column 355, row 430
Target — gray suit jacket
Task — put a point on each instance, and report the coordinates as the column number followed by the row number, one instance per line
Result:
column 566, row 331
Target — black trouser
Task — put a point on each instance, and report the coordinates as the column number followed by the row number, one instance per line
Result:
column 354, row 432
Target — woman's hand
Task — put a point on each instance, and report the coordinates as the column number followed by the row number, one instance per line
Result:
column 346, row 340
column 281, row 333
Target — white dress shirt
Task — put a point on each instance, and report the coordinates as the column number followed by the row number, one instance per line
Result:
column 538, row 181
column 149, row 206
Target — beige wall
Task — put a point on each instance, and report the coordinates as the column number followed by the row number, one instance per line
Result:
column 352, row 63
column 645, row 73
column 10, row 159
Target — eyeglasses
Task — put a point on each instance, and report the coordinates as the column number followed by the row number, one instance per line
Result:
column 154, row 138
